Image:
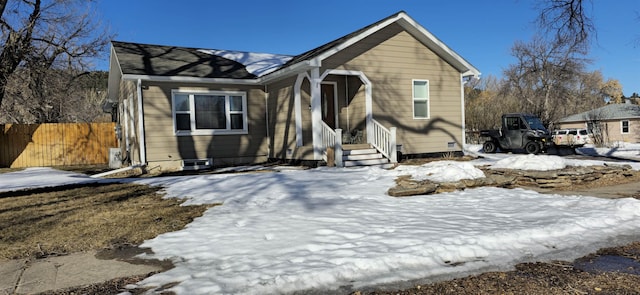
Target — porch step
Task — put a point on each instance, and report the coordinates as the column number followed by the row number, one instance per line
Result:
column 363, row 155
column 366, row 151
column 360, row 146
column 369, row 162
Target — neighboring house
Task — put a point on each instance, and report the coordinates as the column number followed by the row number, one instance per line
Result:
column 610, row 123
column 391, row 85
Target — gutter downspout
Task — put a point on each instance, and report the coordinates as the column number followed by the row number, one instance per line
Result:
column 143, row 148
column 103, row 174
column 464, row 127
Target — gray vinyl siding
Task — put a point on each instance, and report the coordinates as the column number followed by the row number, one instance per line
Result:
column 163, row 145
column 391, row 59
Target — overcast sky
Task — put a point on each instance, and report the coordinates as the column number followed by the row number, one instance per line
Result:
column 483, row 32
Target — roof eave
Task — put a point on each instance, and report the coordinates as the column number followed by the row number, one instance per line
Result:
column 289, row 71
column 135, row 77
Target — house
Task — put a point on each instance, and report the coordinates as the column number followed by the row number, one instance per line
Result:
column 610, row 123
column 391, row 87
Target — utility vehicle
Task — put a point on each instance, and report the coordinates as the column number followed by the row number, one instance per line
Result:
column 519, row 132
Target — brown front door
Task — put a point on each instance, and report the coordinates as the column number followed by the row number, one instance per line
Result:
column 327, row 93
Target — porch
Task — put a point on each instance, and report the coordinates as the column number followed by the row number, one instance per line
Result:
column 340, row 104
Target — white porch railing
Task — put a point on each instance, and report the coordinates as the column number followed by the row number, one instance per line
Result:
column 332, row 139
column 384, row 140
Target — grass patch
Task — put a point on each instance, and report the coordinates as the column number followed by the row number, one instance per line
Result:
column 88, row 217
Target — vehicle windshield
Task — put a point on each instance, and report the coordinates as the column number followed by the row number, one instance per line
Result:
column 535, row 123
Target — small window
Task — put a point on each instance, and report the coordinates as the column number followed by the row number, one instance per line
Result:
column 625, row 126
column 420, row 99
column 207, row 113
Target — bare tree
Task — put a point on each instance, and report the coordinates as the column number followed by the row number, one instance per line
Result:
column 567, row 20
column 66, row 96
column 543, row 76
column 41, row 36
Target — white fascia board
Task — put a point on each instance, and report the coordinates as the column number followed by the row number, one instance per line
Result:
column 437, row 46
column 115, row 76
column 355, row 39
column 114, row 55
column 289, row 71
column 134, row 77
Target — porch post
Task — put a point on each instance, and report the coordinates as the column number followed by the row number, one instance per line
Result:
column 338, row 148
column 393, row 149
column 297, row 104
column 316, row 113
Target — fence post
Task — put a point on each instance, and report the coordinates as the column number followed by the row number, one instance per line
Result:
column 338, row 148
column 393, row 149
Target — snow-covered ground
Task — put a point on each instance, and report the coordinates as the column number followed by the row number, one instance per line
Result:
column 324, row 228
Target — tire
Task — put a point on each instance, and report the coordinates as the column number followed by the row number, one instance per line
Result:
column 489, row 147
column 532, row 147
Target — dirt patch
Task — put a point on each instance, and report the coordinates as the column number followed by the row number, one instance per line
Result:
column 39, row 223
column 559, row 277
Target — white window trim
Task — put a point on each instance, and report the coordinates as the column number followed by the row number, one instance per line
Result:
column 413, row 99
column 228, row 113
column 622, row 127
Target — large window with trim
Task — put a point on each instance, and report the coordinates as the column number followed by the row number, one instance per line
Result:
column 420, row 99
column 207, row 113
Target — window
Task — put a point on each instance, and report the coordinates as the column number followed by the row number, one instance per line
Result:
column 515, row 123
column 420, row 99
column 625, row 126
column 206, row 113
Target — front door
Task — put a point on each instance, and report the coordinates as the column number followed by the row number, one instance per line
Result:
column 328, row 101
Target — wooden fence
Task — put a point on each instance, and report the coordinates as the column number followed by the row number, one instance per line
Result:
column 56, row 144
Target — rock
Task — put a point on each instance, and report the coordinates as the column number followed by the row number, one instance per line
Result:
column 508, row 178
column 540, row 174
column 502, row 180
column 423, row 188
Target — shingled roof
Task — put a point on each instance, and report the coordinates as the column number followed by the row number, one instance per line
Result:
column 159, row 60
column 608, row 112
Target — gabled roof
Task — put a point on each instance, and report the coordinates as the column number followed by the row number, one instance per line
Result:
column 402, row 19
column 171, row 62
column 608, row 112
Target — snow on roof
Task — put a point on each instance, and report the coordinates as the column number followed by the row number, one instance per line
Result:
column 258, row 64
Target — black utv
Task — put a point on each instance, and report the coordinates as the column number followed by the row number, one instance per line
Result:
column 519, row 131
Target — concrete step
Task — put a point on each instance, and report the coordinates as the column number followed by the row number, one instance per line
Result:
column 360, row 146
column 365, row 162
column 359, row 151
column 362, row 157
